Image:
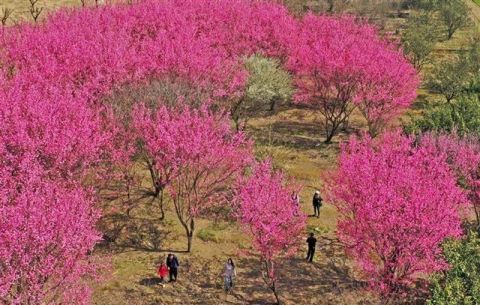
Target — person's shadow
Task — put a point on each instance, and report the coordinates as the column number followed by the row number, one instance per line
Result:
column 152, row 281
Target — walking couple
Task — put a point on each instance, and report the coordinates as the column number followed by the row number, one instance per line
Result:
column 170, row 268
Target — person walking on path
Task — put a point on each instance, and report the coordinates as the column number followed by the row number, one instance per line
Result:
column 229, row 274
column 296, row 199
column 172, row 264
column 317, row 203
column 162, row 273
column 311, row 241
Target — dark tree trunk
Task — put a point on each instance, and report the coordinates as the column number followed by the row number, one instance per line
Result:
column 189, row 230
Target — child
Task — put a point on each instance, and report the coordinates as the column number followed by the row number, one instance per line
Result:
column 162, row 273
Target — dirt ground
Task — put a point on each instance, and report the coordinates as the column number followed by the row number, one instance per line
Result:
column 293, row 139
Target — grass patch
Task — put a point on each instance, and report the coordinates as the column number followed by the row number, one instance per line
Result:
column 477, row 2
column 317, row 229
column 208, row 235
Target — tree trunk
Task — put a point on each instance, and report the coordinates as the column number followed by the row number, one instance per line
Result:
column 272, row 104
column 330, row 6
column 477, row 214
column 271, row 282
column 331, row 127
column 373, row 129
column 275, row 293
column 162, row 211
column 330, row 135
column 235, row 113
column 450, row 33
column 190, row 229
column 236, row 120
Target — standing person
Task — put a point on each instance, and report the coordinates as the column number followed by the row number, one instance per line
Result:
column 311, row 241
column 162, row 273
column 317, row 203
column 172, row 264
column 229, row 274
column 295, row 198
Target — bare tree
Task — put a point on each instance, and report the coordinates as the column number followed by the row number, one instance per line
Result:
column 6, row 13
column 35, row 10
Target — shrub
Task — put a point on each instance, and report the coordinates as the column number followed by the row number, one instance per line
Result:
column 460, row 285
column 207, row 234
column 461, row 115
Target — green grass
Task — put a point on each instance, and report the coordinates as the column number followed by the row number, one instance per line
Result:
column 208, row 235
column 477, row 2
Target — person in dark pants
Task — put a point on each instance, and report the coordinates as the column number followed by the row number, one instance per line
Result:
column 317, row 203
column 172, row 264
column 311, row 241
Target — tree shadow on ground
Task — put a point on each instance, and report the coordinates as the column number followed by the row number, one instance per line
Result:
column 126, row 233
column 298, row 134
column 322, row 282
column 327, row 281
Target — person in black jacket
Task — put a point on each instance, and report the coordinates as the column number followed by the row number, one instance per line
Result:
column 311, row 241
column 172, row 264
column 317, row 203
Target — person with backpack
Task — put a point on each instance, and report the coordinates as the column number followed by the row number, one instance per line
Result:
column 317, row 203
column 311, row 241
column 172, row 264
column 229, row 274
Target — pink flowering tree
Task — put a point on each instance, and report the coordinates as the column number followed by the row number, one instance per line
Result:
column 198, row 155
column 340, row 64
column 46, row 233
column 270, row 216
column 397, row 203
column 463, row 156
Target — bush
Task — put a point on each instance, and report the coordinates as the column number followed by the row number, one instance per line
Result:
column 462, row 116
column 461, row 284
column 207, row 234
